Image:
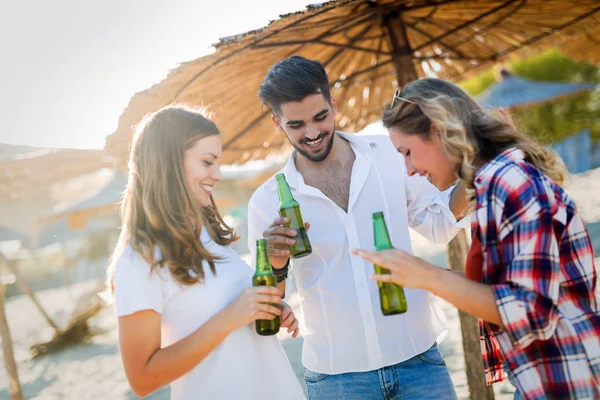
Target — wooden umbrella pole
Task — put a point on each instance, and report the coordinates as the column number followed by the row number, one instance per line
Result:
column 24, row 287
column 458, row 247
column 401, row 51
column 457, row 252
column 14, row 387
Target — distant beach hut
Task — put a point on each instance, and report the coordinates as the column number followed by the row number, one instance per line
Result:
column 512, row 91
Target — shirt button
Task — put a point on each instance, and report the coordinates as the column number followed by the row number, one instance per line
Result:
column 513, row 365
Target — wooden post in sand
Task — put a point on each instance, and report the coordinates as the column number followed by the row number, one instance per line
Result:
column 24, row 287
column 14, row 387
column 457, row 250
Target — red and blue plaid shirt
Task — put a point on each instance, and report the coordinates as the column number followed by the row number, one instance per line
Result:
column 538, row 258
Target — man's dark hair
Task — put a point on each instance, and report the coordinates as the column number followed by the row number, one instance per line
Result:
column 291, row 80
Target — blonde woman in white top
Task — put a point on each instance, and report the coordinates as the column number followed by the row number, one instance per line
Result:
column 184, row 298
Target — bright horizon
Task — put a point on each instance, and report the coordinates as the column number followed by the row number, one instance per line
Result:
column 70, row 67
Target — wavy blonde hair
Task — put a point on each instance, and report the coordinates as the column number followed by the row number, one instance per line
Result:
column 471, row 135
column 158, row 209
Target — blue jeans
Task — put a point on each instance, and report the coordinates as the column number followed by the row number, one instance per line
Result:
column 422, row 377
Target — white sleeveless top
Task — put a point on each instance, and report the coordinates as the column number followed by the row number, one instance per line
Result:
column 245, row 365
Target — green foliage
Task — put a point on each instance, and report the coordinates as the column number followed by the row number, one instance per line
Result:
column 563, row 117
column 477, row 85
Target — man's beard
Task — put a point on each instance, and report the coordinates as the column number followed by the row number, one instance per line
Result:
column 317, row 157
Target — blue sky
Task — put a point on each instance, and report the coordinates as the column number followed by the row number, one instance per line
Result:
column 69, row 67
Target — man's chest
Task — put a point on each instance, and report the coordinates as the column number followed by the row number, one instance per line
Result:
column 334, row 184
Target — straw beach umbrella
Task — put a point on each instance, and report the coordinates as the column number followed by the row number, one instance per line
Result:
column 7, row 234
column 23, row 175
column 368, row 49
column 581, row 41
column 105, row 200
column 514, row 92
column 517, row 93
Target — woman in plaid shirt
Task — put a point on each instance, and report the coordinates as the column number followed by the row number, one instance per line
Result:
column 530, row 275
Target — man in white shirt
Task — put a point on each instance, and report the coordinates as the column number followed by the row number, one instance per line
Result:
column 351, row 350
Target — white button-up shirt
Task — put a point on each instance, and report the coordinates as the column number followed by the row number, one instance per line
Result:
column 343, row 327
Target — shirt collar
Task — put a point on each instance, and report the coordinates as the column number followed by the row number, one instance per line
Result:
column 360, row 144
column 485, row 173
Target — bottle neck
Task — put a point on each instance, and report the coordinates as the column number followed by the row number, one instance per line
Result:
column 263, row 265
column 381, row 235
column 285, row 194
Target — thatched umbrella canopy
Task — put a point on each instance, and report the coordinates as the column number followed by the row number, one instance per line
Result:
column 7, row 234
column 582, row 40
column 512, row 91
column 105, row 200
column 21, row 175
column 367, row 47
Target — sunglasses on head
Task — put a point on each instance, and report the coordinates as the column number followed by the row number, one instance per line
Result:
column 398, row 96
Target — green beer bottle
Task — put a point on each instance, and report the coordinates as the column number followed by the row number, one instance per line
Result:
column 391, row 296
column 289, row 208
column 263, row 276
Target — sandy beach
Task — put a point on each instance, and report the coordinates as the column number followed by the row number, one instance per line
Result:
column 93, row 370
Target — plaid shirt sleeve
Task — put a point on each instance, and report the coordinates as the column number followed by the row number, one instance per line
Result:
column 527, row 298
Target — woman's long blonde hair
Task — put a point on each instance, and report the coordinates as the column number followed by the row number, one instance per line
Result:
column 471, row 135
column 158, row 209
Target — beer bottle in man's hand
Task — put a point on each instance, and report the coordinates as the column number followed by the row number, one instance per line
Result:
column 290, row 209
